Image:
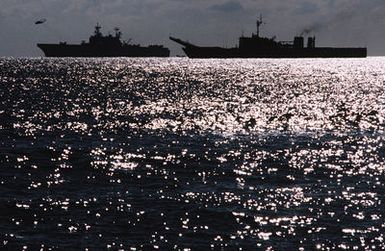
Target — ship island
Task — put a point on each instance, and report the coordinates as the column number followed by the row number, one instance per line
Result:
column 263, row 47
column 103, row 46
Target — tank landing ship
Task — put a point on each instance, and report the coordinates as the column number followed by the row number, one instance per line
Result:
column 262, row 47
column 103, row 46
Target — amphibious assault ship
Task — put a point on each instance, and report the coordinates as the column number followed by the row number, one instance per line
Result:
column 262, row 47
column 103, row 46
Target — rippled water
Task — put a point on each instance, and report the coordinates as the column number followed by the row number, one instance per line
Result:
column 136, row 154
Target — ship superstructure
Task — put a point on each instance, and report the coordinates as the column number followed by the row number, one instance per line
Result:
column 103, row 46
column 263, row 47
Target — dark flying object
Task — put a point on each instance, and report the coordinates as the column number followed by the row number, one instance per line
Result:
column 41, row 21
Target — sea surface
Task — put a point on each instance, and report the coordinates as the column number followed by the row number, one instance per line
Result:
column 144, row 154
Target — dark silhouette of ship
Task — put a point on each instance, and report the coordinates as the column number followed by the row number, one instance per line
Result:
column 262, row 47
column 103, row 46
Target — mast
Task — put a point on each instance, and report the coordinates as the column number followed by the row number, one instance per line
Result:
column 118, row 33
column 97, row 30
column 259, row 23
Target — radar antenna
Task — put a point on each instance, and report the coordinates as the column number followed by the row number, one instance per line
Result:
column 259, row 23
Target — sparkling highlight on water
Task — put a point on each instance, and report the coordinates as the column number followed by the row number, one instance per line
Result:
column 133, row 154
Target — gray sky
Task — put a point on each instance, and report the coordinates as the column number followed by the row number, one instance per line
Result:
column 207, row 22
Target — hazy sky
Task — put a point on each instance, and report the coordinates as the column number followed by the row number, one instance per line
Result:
column 205, row 22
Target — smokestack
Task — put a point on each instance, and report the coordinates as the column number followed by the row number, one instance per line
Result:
column 298, row 42
column 311, row 42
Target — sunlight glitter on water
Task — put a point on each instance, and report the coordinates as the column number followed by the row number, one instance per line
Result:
column 192, row 154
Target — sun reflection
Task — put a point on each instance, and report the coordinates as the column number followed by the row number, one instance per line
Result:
column 136, row 154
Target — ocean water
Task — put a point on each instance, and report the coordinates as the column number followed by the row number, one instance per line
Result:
column 143, row 154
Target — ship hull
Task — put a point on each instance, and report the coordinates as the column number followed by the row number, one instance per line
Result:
column 218, row 52
column 86, row 50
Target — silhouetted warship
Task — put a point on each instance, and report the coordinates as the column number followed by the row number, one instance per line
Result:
column 262, row 47
column 103, row 46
